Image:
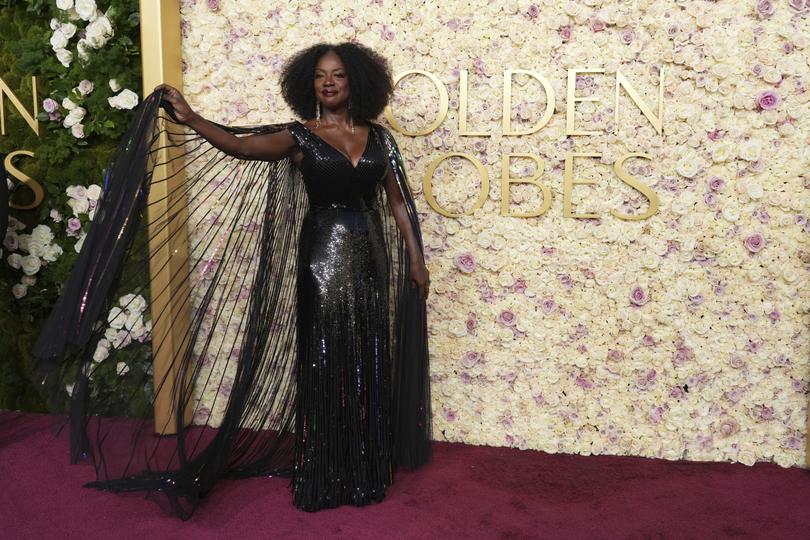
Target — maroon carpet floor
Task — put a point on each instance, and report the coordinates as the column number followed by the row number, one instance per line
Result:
column 465, row 492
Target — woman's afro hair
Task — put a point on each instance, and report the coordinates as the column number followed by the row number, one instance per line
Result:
column 370, row 83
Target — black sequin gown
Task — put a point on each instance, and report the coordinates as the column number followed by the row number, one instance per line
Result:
column 343, row 427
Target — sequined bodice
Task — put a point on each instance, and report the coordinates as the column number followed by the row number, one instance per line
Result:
column 329, row 176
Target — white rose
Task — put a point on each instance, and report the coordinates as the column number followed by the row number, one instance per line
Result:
column 102, row 350
column 58, row 40
column 77, row 130
column 68, row 104
column 19, row 290
column 30, row 264
column 42, row 234
column 86, row 9
column 64, row 5
column 731, row 214
column 132, row 320
column 55, row 215
column 116, row 318
column 68, row 29
column 79, row 206
column 687, row 166
column 457, row 328
column 127, row 99
column 55, row 23
column 52, row 252
column 76, row 192
column 722, row 152
column 64, row 56
column 109, row 334
column 98, row 32
column 121, row 368
column 754, row 190
column 93, row 192
column 114, row 86
column 75, row 116
column 138, row 304
column 14, row 260
column 85, row 87
column 750, row 150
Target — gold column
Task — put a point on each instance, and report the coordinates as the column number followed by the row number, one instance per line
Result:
column 168, row 242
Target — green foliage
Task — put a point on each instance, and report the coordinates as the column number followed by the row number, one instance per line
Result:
column 60, row 160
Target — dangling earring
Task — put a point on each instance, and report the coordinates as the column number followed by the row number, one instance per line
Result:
column 317, row 113
column 351, row 118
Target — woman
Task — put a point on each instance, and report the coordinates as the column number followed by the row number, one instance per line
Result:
column 332, row 343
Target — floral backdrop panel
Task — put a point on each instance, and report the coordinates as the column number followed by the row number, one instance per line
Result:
column 582, row 328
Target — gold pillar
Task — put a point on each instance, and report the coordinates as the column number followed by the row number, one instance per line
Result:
column 168, row 236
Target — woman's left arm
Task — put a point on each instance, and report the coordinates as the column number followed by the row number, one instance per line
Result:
column 418, row 270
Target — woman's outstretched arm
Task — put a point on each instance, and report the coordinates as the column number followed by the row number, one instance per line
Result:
column 268, row 147
column 418, row 270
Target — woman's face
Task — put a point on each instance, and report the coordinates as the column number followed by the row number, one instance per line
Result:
column 331, row 81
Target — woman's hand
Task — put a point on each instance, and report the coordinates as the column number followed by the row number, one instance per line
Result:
column 421, row 276
column 180, row 109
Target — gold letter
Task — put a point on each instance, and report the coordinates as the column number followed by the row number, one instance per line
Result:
column 462, row 109
column 568, row 184
column 507, row 101
column 506, row 180
column 443, row 104
column 33, row 185
column 30, row 119
column 570, row 100
column 643, row 188
column 658, row 123
column 427, row 186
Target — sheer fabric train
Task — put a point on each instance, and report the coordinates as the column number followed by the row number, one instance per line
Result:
column 245, row 248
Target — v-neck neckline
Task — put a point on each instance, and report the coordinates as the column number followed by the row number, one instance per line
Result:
column 336, row 149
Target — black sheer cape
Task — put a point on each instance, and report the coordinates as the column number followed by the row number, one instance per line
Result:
column 241, row 260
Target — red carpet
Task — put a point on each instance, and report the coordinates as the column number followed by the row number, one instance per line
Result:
column 467, row 491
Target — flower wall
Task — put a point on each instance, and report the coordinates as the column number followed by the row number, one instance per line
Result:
column 682, row 336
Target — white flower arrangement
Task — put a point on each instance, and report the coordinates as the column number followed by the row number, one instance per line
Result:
column 37, row 250
column 125, row 323
column 83, row 202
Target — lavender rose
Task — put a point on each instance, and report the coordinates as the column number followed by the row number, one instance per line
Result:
column 73, row 225
column 471, row 359
column 798, row 5
column 638, row 296
column 597, row 24
column 507, row 318
column 465, row 262
column 716, row 183
column 765, row 8
column 565, row 33
column 50, row 105
column 754, row 243
column 768, row 100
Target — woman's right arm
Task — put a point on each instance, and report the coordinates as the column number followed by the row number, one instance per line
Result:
column 268, row 147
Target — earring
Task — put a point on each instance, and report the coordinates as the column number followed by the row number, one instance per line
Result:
column 317, row 113
column 351, row 118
